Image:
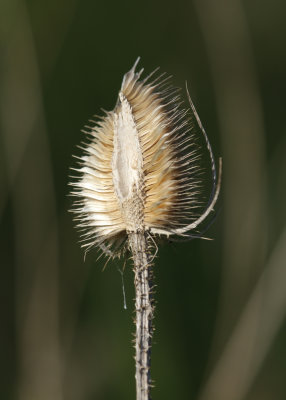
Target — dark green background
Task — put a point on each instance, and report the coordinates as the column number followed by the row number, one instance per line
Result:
column 220, row 326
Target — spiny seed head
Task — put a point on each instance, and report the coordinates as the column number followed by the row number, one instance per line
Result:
column 140, row 169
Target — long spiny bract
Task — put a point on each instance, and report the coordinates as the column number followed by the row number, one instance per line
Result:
column 140, row 170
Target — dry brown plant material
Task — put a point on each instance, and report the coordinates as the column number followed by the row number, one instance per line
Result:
column 139, row 178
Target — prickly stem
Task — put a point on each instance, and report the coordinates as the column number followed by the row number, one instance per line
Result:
column 144, row 305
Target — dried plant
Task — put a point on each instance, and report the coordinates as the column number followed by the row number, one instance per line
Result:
column 139, row 179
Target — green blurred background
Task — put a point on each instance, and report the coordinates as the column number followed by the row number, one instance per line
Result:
column 220, row 315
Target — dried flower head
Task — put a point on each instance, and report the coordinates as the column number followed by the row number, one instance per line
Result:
column 140, row 167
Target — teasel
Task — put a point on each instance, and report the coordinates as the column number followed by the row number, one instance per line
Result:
column 139, row 179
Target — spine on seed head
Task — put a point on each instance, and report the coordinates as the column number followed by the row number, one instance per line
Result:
column 139, row 171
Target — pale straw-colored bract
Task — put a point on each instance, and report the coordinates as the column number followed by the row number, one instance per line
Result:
column 140, row 168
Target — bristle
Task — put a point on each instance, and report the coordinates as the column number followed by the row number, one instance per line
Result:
column 140, row 171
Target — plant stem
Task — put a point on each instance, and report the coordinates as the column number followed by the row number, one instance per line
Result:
column 144, row 312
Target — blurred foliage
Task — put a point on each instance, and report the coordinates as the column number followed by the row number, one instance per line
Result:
column 64, row 331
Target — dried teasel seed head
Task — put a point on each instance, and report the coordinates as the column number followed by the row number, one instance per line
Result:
column 139, row 171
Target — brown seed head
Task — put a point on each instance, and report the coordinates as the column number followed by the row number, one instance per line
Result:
column 140, row 168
